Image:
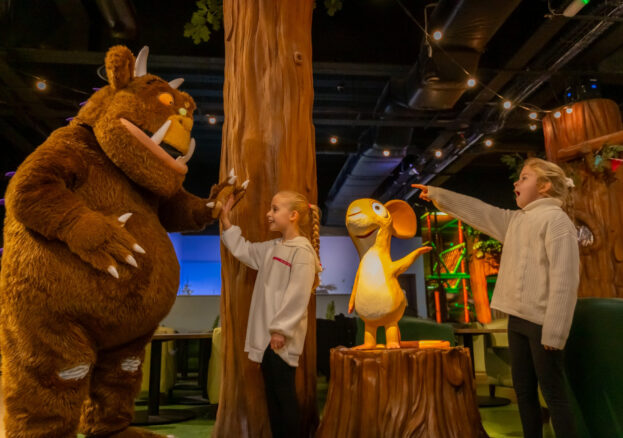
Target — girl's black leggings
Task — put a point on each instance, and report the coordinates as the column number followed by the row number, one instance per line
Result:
column 533, row 365
column 283, row 408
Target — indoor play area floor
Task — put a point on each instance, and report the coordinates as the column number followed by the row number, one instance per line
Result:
column 499, row 422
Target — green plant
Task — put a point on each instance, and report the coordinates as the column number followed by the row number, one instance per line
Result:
column 490, row 246
column 330, row 315
column 601, row 157
column 514, row 163
column 208, row 18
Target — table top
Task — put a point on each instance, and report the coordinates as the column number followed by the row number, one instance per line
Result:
column 478, row 331
column 179, row 336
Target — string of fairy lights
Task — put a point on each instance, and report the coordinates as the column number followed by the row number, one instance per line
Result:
column 534, row 112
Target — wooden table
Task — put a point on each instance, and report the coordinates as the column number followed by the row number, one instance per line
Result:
column 153, row 414
column 468, row 341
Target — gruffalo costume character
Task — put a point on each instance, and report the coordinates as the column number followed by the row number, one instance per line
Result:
column 88, row 270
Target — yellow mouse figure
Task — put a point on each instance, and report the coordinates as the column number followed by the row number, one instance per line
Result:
column 377, row 296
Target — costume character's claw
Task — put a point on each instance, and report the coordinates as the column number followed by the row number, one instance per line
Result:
column 136, row 247
column 113, row 271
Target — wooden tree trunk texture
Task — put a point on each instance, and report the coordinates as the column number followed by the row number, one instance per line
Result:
column 407, row 392
column 598, row 204
column 567, row 135
column 268, row 137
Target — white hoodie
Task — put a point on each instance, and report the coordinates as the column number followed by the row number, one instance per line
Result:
column 286, row 272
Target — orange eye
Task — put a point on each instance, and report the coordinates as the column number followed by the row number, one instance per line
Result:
column 166, row 98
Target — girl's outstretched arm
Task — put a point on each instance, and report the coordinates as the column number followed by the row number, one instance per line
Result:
column 491, row 220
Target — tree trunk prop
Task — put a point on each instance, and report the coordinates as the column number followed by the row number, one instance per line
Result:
column 268, row 137
column 407, row 392
column 571, row 140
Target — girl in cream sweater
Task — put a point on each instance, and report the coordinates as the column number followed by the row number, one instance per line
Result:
column 287, row 273
column 537, row 284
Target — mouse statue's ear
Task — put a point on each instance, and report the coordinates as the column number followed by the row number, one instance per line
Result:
column 404, row 221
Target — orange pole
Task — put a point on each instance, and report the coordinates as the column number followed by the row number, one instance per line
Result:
column 463, row 282
column 437, row 307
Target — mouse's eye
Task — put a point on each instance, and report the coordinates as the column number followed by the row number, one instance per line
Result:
column 379, row 209
column 166, row 98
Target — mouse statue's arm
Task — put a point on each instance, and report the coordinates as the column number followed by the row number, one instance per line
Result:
column 186, row 212
column 401, row 265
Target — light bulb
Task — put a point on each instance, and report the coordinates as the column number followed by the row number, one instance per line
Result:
column 488, row 142
column 437, row 35
column 569, row 110
column 471, row 82
column 333, row 139
column 507, row 104
column 212, row 120
column 41, row 85
column 557, row 114
column 438, row 153
column 533, row 127
column 533, row 115
column 386, row 153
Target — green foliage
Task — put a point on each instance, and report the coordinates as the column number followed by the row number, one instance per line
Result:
column 514, row 163
column 602, row 157
column 490, row 246
column 330, row 315
column 207, row 18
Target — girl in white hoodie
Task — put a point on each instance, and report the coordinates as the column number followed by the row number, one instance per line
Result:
column 537, row 284
column 287, row 273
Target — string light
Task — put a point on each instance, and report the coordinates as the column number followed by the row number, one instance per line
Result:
column 333, row 139
column 437, row 35
column 211, row 120
column 488, row 142
column 385, row 153
column 507, row 104
column 438, row 153
column 471, row 82
column 533, row 115
column 569, row 110
column 533, row 126
column 41, row 85
column 557, row 114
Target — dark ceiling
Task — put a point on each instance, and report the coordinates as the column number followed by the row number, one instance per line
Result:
column 365, row 57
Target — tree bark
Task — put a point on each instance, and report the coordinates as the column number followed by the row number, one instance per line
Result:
column 268, row 137
column 407, row 392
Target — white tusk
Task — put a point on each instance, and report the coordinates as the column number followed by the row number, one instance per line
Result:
column 140, row 66
column 175, row 83
column 231, row 180
column 124, row 218
column 136, row 247
column 245, row 184
column 161, row 132
column 231, row 172
column 131, row 261
column 113, row 271
column 210, row 205
column 191, row 149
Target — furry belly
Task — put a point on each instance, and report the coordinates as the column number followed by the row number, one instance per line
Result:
column 49, row 279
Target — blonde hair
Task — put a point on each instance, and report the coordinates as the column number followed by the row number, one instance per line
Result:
column 309, row 219
column 546, row 171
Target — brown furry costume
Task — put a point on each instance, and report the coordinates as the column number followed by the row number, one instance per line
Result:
column 75, row 313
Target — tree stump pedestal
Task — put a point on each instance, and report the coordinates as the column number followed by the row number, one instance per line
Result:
column 406, row 392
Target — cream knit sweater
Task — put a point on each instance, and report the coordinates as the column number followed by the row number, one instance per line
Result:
column 539, row 271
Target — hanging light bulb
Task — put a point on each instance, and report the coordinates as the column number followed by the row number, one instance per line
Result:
column 533, row 115
column 533, row 126
column 212, row 120
column 333, row 139
column 507, row 104
column 557, row 114
column 41, row 85
column 471, row 82
column 386, row 153
column 488, row 142
column 438, row 153
column 569, row 110
column 437, row 35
